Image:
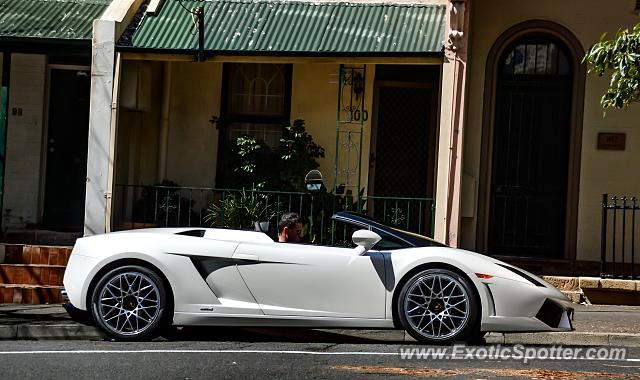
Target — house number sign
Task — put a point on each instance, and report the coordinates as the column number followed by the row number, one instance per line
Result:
column 611, row 141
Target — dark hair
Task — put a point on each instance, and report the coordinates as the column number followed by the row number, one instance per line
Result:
column 289, row 219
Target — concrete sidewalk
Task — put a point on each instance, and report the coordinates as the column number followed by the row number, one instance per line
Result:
column 594, row 325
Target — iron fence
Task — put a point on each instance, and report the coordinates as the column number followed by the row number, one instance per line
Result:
column 618, row 232
column 137, row 206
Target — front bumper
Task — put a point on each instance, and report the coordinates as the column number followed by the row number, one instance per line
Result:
column 522, row 307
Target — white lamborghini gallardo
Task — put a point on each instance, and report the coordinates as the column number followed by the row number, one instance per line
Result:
column 134, row 283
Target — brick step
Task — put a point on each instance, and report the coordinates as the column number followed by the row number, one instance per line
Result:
column 34, row 254
column 30, row 294
column 31, row 274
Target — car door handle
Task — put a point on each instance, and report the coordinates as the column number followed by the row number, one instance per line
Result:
column 246, row 257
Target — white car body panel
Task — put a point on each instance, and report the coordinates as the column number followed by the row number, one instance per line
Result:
column 315, row 281
column 510, row 302
column 243, row 278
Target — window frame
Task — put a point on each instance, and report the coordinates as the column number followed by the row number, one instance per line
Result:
column 249, row 118
column 225, row 145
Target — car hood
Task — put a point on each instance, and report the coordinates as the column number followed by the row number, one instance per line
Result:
column 474, row 262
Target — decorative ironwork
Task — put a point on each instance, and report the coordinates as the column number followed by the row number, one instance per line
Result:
column 351, row 117
column 138, row 206
column 619, row 210
column 536, row 58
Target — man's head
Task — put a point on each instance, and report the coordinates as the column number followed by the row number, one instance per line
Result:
column 290, row 228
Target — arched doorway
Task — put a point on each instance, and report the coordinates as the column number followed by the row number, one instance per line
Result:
column 531, row 143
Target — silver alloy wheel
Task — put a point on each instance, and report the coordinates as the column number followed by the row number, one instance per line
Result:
column 437, row 306
column 129, row 303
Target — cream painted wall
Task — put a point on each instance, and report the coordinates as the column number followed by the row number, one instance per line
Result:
column 137, row 135
column 24, row 140
column 193, row 140
column 138, row 123
column 601, row 171
column 314, row 98
column 604, row 171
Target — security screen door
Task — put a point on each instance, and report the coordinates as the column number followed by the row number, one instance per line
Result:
column 403, row 145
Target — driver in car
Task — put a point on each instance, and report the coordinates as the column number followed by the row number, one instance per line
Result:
column 290, row 228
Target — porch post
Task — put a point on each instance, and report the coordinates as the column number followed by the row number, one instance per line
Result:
column 450, row 149
column 101, row 152
column 98, row 155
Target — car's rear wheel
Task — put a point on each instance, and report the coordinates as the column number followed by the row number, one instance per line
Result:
column 438, row 306
column 129, row 303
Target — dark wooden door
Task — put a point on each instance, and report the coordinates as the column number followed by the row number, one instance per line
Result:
column 530, row 166
column 68, row 128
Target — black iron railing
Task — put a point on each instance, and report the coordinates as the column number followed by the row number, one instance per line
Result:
column 168, row 206
column 618, row 234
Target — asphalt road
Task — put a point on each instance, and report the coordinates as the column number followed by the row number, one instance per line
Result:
column 242, row 359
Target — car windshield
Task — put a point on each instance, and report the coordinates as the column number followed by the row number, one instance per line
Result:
column 396, row 236
column 420, row 240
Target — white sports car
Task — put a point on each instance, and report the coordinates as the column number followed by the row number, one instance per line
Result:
column 134, row 283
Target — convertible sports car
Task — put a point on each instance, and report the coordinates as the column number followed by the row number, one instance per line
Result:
column 134, row 283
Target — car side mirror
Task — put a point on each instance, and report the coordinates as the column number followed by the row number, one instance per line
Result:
column 365, row 240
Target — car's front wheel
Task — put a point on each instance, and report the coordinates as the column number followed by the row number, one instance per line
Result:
column 129, row 303
column 438, row 306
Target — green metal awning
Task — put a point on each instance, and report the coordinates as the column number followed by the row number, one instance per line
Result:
column 292, row 28
column 49, row 19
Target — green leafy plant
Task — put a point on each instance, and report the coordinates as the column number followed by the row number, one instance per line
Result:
column 250, row 154
column 283, row 168
column 298, row 155
column 239, row 210
column 621, row 57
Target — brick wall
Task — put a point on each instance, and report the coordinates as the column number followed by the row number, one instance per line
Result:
column 24, row 140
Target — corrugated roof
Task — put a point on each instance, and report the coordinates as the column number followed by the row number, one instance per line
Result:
column 293, row 27
column 50, row 19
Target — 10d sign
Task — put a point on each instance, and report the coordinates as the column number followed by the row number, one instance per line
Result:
column 611, row 141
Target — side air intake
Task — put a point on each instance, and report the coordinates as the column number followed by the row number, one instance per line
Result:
column 194, row 233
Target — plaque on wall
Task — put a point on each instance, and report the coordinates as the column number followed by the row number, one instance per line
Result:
column 611, row 141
